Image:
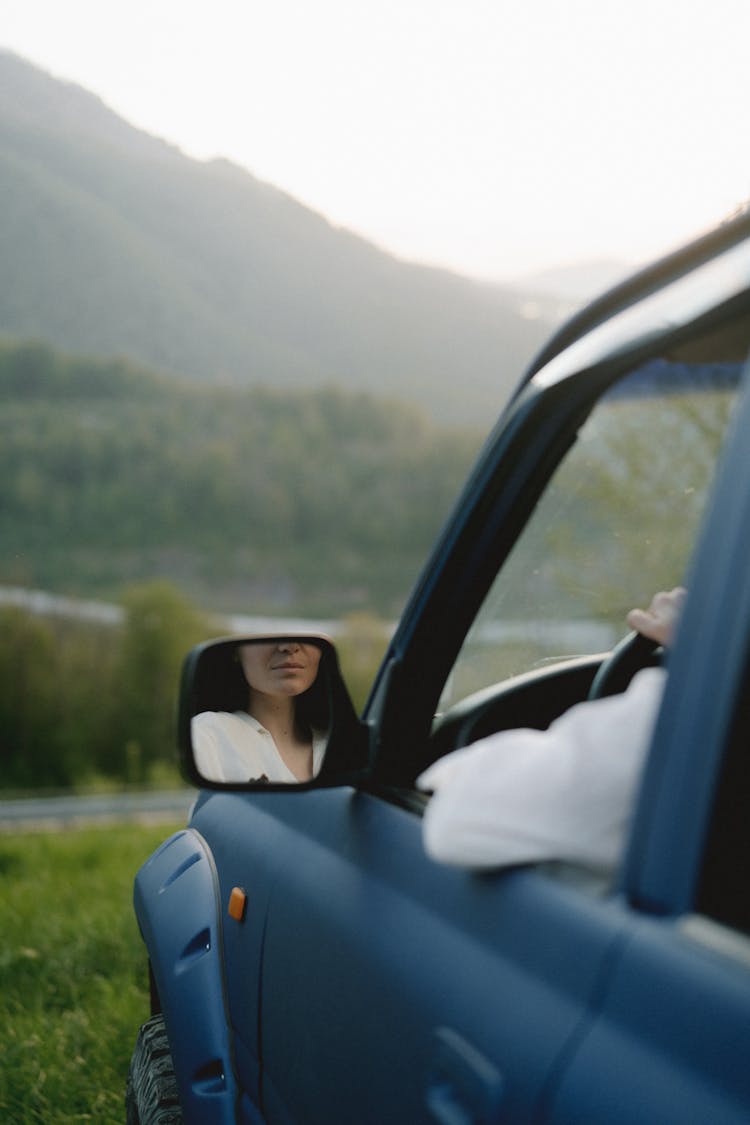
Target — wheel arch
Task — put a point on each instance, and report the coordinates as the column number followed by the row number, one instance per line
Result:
column 177, row 905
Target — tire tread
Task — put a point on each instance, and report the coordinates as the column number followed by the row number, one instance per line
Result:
column 151, row 1096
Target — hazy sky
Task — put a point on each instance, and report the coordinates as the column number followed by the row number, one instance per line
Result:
column 496, row 137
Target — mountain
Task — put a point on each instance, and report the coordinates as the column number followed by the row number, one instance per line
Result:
column 554, row 294
column 114, row 243
column 321, row 502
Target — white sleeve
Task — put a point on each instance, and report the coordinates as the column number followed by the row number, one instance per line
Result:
column 523, row 796
column 206, row 751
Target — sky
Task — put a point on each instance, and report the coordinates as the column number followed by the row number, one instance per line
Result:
column 497, row 138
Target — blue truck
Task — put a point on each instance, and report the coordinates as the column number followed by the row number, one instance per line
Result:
column 310, row 964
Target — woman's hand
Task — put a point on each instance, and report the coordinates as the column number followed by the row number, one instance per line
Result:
column 659, row 621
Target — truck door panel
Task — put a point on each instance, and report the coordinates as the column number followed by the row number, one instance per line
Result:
column 241, row 835
column 672, row 1041
column 446, row 996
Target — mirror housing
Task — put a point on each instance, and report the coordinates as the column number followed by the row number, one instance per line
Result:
column 223, row 746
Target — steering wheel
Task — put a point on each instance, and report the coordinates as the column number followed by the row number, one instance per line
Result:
column 617, row 669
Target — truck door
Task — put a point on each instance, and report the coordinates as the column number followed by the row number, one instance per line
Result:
column 671, row 1036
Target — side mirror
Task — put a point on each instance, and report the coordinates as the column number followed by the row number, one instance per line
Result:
column 270, row 710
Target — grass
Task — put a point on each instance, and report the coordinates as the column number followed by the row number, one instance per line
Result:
column 73, row 981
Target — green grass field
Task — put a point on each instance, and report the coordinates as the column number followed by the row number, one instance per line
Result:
column 73, row 981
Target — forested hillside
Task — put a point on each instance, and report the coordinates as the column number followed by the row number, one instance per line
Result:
column 116, row 244
column 253, row 500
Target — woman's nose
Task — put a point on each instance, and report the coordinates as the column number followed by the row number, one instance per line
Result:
column 288, row 646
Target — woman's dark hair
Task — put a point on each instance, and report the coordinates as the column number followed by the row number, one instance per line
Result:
column 220, row 684
column 313, row 707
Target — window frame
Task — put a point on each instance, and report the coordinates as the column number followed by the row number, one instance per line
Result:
column 700, row 723
column 531, row 438
column 595, row 605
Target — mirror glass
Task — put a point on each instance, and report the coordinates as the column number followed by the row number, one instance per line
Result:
column 258, row 709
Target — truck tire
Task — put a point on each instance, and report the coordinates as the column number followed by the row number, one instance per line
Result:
column 151, row 1093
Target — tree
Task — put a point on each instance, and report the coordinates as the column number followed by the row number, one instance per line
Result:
column 29, row 754
column 160, row 627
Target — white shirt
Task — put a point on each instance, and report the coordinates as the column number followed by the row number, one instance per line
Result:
column 567, row 793
column 233, row 746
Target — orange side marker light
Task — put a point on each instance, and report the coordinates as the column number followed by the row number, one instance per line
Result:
column 237, row 904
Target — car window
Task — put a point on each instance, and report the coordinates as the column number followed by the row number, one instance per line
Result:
column 616, row 523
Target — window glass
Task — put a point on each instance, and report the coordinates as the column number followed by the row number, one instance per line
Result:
column 616, row 523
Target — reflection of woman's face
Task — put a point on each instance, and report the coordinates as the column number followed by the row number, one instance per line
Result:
column 280, row 667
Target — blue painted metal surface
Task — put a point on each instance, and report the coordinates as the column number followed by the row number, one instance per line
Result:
column 178, row 911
